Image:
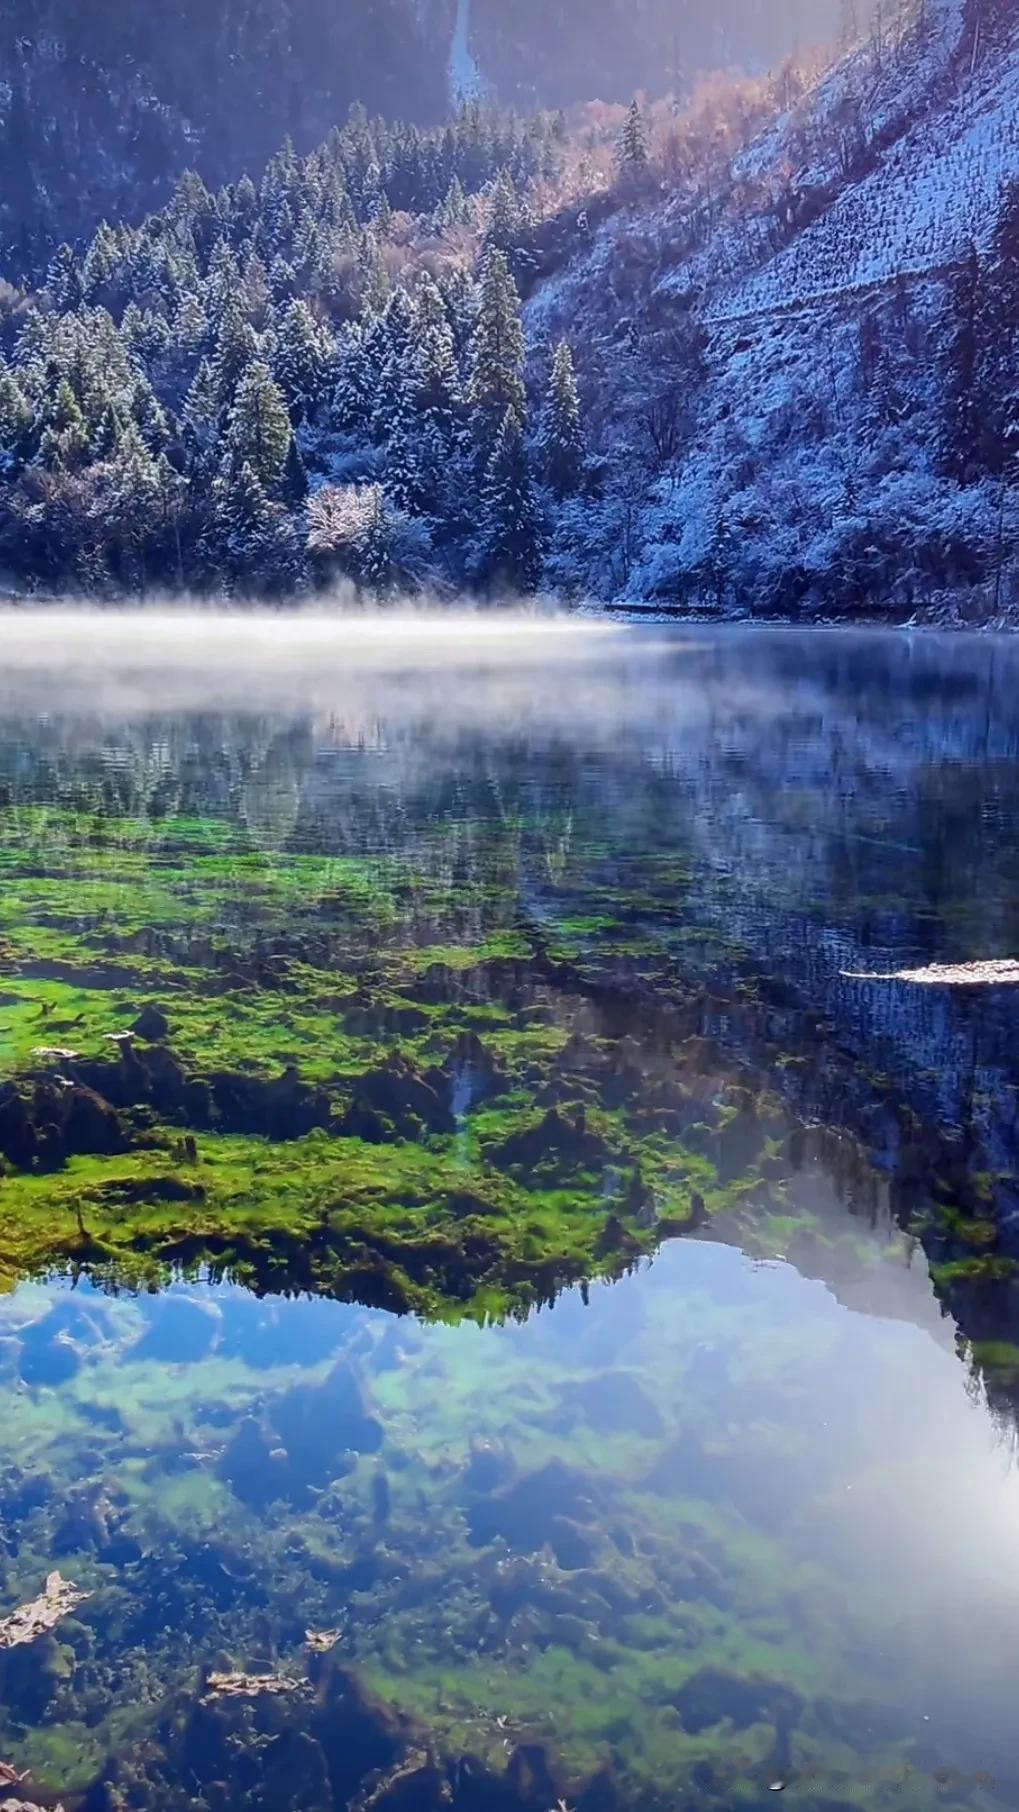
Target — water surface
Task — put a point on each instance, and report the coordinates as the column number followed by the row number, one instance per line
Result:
column 524, row 1251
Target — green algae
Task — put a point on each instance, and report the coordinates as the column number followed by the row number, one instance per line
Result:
column 270, row 963
column 700, row 1627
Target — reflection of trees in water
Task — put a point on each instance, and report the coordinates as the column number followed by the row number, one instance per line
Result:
column 821, row 804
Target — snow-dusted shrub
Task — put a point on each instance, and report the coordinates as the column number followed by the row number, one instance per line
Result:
column 355, row 531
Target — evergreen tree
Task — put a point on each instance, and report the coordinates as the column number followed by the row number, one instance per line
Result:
column 200, row 413
column 497, row 357
column 454, row 210
column 299, row 361
column 15, row 414
column 375, row 554
column 64, row 435
column 244, row 515
column 436, row 379
column 101, row 262
column 294, row 481
column 64, row 281
column 510, row 540
column 403, row 477
column 149, row 416
column 108, row 437
column 1000, row 333
column 353, row 396
column 258, row 428
column 632, row 155
column 504, row 221
column 236, row 348
column 561, row 439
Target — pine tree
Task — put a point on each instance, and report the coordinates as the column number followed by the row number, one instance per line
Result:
column 436, row 379
column 149, row 416
column 15, row 413
column 403, row 476
column 236, row 348
column 190, row 327
column 376, row 566
column 244, row 514
column 258, row 428
column 299, row 361
column 64, row 439
column 503, row 224
column 999, row 364
column 107, row 439
column 200, row 413
column 352, row 401
column 510, row 539
column 454, row 210
column 294, row 481
column 632, row 155
column 561, row 439
column 101, row 262
column 63, row 281
column 497, row 357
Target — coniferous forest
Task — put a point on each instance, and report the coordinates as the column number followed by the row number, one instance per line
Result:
column 576, row 350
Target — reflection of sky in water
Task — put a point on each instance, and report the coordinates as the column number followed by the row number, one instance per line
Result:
column 850, row 1501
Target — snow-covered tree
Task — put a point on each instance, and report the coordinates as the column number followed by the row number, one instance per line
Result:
column 497, row 356
column 509, row 543
column 632, row 154
column 561, row 439
column 298, row 362
column 258, row 428
column 236, row 348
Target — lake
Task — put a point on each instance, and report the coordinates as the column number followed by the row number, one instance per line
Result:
column 509, row 1231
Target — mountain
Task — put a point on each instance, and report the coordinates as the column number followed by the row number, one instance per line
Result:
column 767, row 360
column 560, row 52
column 103, row 107
column 802, row 374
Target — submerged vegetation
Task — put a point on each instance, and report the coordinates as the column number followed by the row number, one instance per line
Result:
column 331, row 1053
column 359, row 1075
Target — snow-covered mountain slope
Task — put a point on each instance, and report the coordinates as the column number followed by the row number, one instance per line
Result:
column 766, row 392
column 954, row 135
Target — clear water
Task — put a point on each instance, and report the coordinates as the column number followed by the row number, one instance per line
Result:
column 735, row 1515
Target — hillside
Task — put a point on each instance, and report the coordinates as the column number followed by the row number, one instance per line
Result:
column 767, row 358
column 103, row 107
column 809, row 371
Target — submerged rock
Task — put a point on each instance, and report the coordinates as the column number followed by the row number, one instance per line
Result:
column 416, row 1784
column 713, row 1695
column 152, row 1025
column 558, row 1141
column 52, row 1346
column 398, row 1101
column 615, row 1402
column 252, row 1466
column 532, row 1511
column 320, row 1424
